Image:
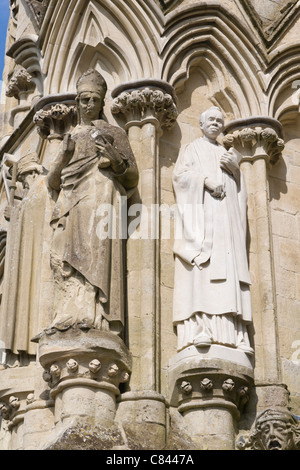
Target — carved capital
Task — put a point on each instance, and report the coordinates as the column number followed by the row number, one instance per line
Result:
column 274, row 429
column 20, row 82
column 255, row 138
column 12, row 410
column 143, row 100
column 194, row 390
column 54, row 119
column 101, row 362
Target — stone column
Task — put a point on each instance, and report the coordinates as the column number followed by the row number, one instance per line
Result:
column 210, row 390
column 146, row 108
column 83, row 370
column 259, row 142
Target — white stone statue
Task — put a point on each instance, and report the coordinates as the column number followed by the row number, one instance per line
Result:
column 94, row 168
column 211, row 292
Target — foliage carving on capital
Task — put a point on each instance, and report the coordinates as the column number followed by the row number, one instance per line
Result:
column 252, row 142
column 55, row 121
column 20, row 82
column 140, row 104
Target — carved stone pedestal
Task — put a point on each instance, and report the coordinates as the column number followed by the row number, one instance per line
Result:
column 210, row 393
column 84, row 370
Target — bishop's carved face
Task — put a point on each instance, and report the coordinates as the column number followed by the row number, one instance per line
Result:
column 90, row 104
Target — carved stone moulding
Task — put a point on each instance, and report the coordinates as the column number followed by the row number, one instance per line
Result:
column 141, row 100
column 255, row 137
column 55, row 115
column 166, row 5
column 199, row 380
column 38, row 9
column 210, row 393
column 15, row 398
column 97, row 359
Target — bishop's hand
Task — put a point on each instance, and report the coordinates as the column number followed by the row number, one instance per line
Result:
column 108, row 152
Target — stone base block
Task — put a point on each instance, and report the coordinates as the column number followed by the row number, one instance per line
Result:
column 210, row 389
column 142, row 416
column 84, row 370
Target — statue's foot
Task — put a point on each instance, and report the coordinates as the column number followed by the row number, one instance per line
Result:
column 202, row 341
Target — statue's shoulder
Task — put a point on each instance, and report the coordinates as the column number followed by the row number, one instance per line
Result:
column 120, row 138
column 105, row 126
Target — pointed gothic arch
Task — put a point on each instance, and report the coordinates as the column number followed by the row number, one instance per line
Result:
column 219, row 44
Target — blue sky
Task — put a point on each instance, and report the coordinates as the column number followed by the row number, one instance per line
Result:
column 4, row 14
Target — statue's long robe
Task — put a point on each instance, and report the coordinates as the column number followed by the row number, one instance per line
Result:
column 213, row 228
column 86, row 193
column 25, row 306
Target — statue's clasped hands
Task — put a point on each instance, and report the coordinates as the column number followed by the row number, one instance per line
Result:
column 216, row 189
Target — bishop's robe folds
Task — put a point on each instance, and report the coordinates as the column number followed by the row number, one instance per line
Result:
column 87, row 192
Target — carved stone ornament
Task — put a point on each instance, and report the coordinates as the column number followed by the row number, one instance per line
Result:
column 271, row 18
column 274, row 429
column 206, row 384
column 21, row 81
column 140, row 104
column 255, row 141
column 55, row 121
column 166, row 5
column 8, row 409
column 38, row 9
column 228, row 385
column 186, row 387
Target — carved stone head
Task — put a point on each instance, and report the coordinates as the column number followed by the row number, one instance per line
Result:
column 91, row 90
column 275, row 430
column 28, row 167
column 212, row 123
